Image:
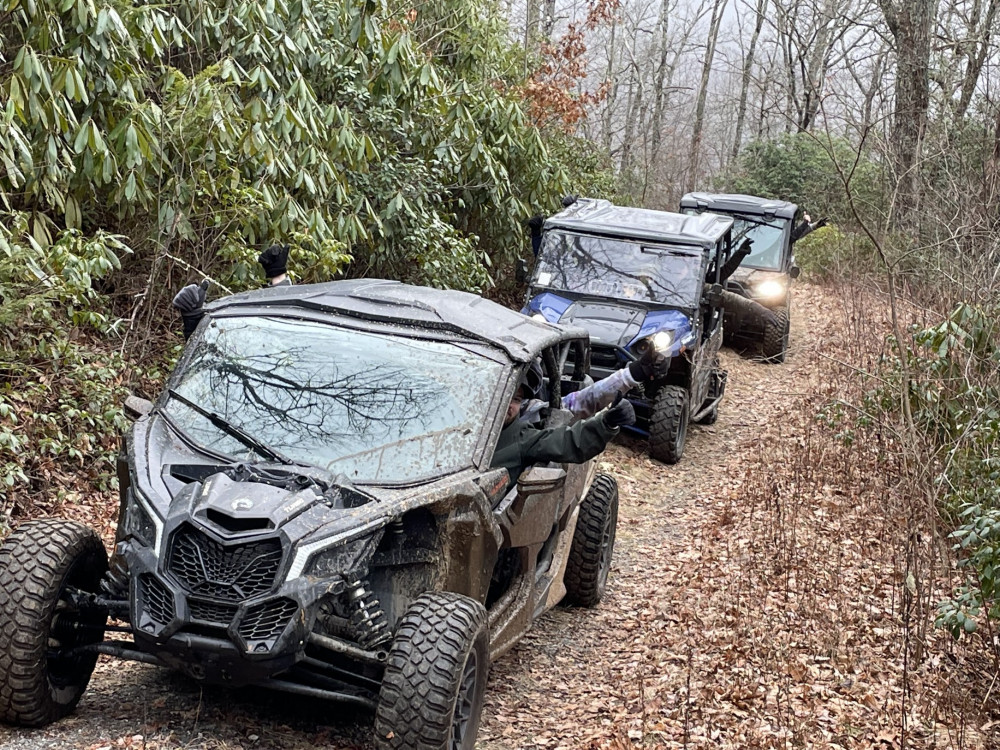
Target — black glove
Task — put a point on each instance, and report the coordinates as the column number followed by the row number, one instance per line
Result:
column 274, row 260
column 619, row 413
column 190, row 301
column 652, row 365
column 568, row 200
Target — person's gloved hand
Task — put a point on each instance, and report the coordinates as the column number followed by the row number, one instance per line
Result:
column 620, row 413
column 652, row 365
column 274, row 260
column 189, row 301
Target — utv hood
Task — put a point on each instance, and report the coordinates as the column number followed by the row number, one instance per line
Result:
column 608, row 324
column 614, row 324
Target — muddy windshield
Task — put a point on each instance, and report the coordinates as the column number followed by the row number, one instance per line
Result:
column 376, row 408
column 620, row 269
column 768, row 241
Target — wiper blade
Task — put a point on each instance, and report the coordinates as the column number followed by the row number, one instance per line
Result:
column 232, row 430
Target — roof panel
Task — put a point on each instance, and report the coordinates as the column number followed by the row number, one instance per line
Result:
column 739, row 203
column 402, row 304
column 603, row 217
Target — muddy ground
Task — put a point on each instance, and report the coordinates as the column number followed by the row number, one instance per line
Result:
column 705, row 639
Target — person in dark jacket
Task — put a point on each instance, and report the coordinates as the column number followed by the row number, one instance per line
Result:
column 523, row 444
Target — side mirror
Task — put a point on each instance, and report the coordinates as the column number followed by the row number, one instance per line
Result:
column 136, row 407
column 793, row 272
column 540, row 479
column 521, row 271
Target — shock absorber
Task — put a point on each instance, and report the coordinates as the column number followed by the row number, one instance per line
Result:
column 366, row 615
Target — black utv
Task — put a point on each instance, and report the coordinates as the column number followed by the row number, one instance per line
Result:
column 309, row 507
column 636, row 278
column 765, row 275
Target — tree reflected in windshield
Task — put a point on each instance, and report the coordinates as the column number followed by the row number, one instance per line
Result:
column 615, row 268
column 374, row 407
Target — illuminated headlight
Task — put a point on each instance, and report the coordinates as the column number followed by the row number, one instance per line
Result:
column 662, row 340
column 770, row 289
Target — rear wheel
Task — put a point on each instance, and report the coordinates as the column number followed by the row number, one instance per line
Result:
column 775, row 343
column 593, row 543
column 45, row 566
column 668, row 424
column 435, row 676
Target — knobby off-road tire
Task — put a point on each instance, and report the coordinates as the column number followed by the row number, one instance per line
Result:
column 593, row 543
column 39, row 562
column 435, row 676
column 668, row 424
column 775, row 343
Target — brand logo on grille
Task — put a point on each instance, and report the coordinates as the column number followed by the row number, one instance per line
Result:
column 242, row 504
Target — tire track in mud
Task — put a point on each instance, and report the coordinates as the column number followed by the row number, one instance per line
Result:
column 559, row 687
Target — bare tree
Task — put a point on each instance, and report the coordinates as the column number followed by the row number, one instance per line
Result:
column 911, row 23
column 718, row 7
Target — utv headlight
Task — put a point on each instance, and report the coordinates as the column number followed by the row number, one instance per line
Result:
column 140, row 521
column 662, row 340
column 770, row 289
column 331, row 549
column 341, row 559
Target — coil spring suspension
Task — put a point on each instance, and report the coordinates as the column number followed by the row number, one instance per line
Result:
column 367, row 615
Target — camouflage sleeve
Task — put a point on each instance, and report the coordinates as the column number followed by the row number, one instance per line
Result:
column 590, row 400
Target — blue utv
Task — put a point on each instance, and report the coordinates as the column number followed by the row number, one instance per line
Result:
column 635, row 278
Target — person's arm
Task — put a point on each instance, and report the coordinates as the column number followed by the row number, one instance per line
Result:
column 730, row 266
column 586, row 402
column 274, row 261
column 652, row 365
column 189, row 301
column 580, row 441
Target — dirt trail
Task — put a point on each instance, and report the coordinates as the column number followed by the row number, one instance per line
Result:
column 615, row 676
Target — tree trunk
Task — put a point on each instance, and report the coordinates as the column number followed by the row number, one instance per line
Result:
column 658, row 81
column 911, row 24
column 977, row 58
column 741, row 111
column 706, row 73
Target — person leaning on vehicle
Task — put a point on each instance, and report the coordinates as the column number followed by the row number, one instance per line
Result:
column 191, row 299
column 522, row 443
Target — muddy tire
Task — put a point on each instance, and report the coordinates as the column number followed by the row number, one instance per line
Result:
column 775, row 344
column 593, row 543
column 40, row 562
column 435, row 676
column 668, row 424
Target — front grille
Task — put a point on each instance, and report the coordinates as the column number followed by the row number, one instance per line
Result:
column 155, row 600
column 266, row 621
column 227, row 572
column 211, row 613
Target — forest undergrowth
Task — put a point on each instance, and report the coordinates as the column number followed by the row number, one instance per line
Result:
column 811, row 590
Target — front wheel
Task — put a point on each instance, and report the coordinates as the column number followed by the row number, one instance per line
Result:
column 45, row 567
column 668, row 424
column 593, row 543
column 435, row 676
column 775, row 344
